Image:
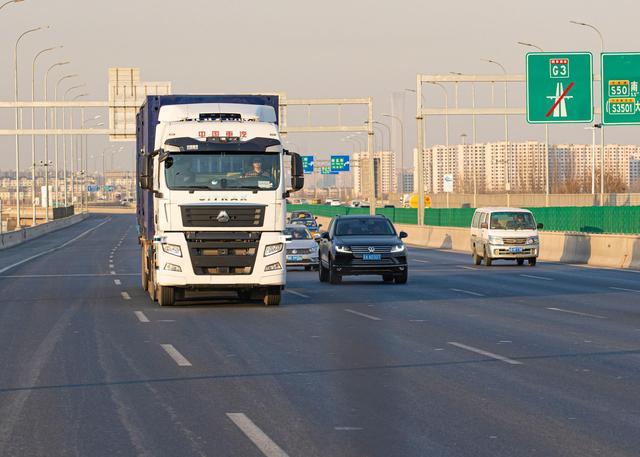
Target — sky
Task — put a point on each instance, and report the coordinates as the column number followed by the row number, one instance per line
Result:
column 331, row 49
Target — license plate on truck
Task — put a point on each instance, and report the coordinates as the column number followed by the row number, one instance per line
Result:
column 516, row 250
column 294, row 258
column 371, row 256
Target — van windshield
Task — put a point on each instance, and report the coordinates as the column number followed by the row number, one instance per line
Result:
column 512, row 220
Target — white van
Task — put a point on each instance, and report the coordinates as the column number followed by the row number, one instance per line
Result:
column 504, row 234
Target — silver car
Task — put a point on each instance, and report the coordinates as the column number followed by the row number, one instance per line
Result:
column 302, row 251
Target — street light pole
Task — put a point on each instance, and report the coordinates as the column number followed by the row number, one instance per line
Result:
column 46, row 126
column 83, row 157
column 64, row 138
column 74, row 155
column 593, row 27
column 401, row 144
column 506, row 123
column 18, row 123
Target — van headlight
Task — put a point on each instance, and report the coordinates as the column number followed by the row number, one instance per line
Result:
column 532, row 240
column 397, row 248
column 271, row 249
column 172, row 249
column 495, row 240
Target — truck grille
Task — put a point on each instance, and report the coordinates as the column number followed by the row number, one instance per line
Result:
column 366, row 249
column 514, row 241
column 222, row 215
column 223, row 253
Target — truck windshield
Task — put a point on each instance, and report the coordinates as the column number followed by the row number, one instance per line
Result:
column 512, row 220
column 222, row 170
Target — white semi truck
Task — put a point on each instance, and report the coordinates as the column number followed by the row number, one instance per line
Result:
column 211, row 203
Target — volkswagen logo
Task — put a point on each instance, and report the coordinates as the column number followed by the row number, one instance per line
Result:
column 371, row 249
column 223, row 217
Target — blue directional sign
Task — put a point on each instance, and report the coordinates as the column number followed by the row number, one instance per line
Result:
column 93, row 188
column 307, row 164
column 107, row 188
column 340, row 163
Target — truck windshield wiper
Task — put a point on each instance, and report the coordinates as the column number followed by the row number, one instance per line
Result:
column 192, row 187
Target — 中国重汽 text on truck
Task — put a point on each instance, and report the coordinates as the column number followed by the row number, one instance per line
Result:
column 211, row 201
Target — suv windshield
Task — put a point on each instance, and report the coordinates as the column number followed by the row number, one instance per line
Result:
column 364, row 226
column 512, row 220
column 222, row 170
column 298, row 233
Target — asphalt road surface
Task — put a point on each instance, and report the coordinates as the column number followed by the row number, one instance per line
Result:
column 462, row 361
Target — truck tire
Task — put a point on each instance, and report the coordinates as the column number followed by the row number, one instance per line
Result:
column 272, row 297
column 144, row 277
column 166, row 295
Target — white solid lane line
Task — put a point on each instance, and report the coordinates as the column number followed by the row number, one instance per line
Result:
column 421, row 261
column 468, row 268
column 257, row 436
column 577, row 313
column 468, row 292
column 368, row 316
column 40, row 254
column 296, row 293
column 175, row 355
column 112, row 272
column 625, row 290
column 117, row 282
column 125, row 295
column 141, row 316
column 486, row 353
column 542, row 278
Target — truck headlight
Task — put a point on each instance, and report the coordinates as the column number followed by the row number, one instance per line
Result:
column 172, row 267
column 343, row 249
column 273, row 267
column 172, row 249
column 397, row 248
column 271, row 249
column 495, row 240
column 532, row 240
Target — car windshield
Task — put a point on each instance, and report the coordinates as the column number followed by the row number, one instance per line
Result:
column 364, row 226
column 298, row 233
column 512, row 220
column 222, row 170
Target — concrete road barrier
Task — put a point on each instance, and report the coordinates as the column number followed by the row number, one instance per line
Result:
column 602, row 250
column 20, row 236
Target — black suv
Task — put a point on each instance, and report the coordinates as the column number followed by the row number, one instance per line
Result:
column 362, row 245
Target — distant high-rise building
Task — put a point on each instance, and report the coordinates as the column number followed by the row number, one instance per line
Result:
column 384, row 173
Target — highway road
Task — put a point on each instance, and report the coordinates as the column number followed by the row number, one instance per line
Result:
column 461, row 361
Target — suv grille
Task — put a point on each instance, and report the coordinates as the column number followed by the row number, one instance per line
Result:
column 214, row 215
column 366, row 249
column 223, row 253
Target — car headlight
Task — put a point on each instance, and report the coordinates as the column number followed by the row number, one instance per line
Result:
column 343, row 249
column 397, row 248
column 532, row 240
column 495, row 240
column 271, row 249
column 172, row 249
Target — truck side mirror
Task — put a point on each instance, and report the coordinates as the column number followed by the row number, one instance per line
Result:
column 297, row 172
column 146, row 172
column 540, row 225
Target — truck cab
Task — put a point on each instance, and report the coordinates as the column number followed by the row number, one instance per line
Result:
column 213, row 208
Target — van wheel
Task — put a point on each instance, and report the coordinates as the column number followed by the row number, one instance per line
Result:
column 477, row 260
column 520, row 262
column 166, row 295
column 487, row 260
column 532, row 262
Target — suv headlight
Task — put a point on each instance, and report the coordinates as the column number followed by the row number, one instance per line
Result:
column 532, row 240
column 495, row 240
column 397, row 248
column 343, row 249
column 172, row 249
column 271, row 249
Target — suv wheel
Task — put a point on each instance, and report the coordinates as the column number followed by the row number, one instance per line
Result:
column 334, row 276
column 402, row 277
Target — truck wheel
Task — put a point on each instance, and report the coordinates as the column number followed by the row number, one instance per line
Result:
column 323, row 274
column 520, row 262
column 477, row 260
column 487, row 259
column 144, row 277
column 334, row 276
column 166, row 295
column 272, row 297
column 402, row 277
column 532, row 262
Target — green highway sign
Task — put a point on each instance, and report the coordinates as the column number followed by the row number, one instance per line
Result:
column 559, row 87
column 620, row 96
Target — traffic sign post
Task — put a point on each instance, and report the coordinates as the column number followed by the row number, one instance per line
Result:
column 559, row 87
column 620, row 95
column 340, row 163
